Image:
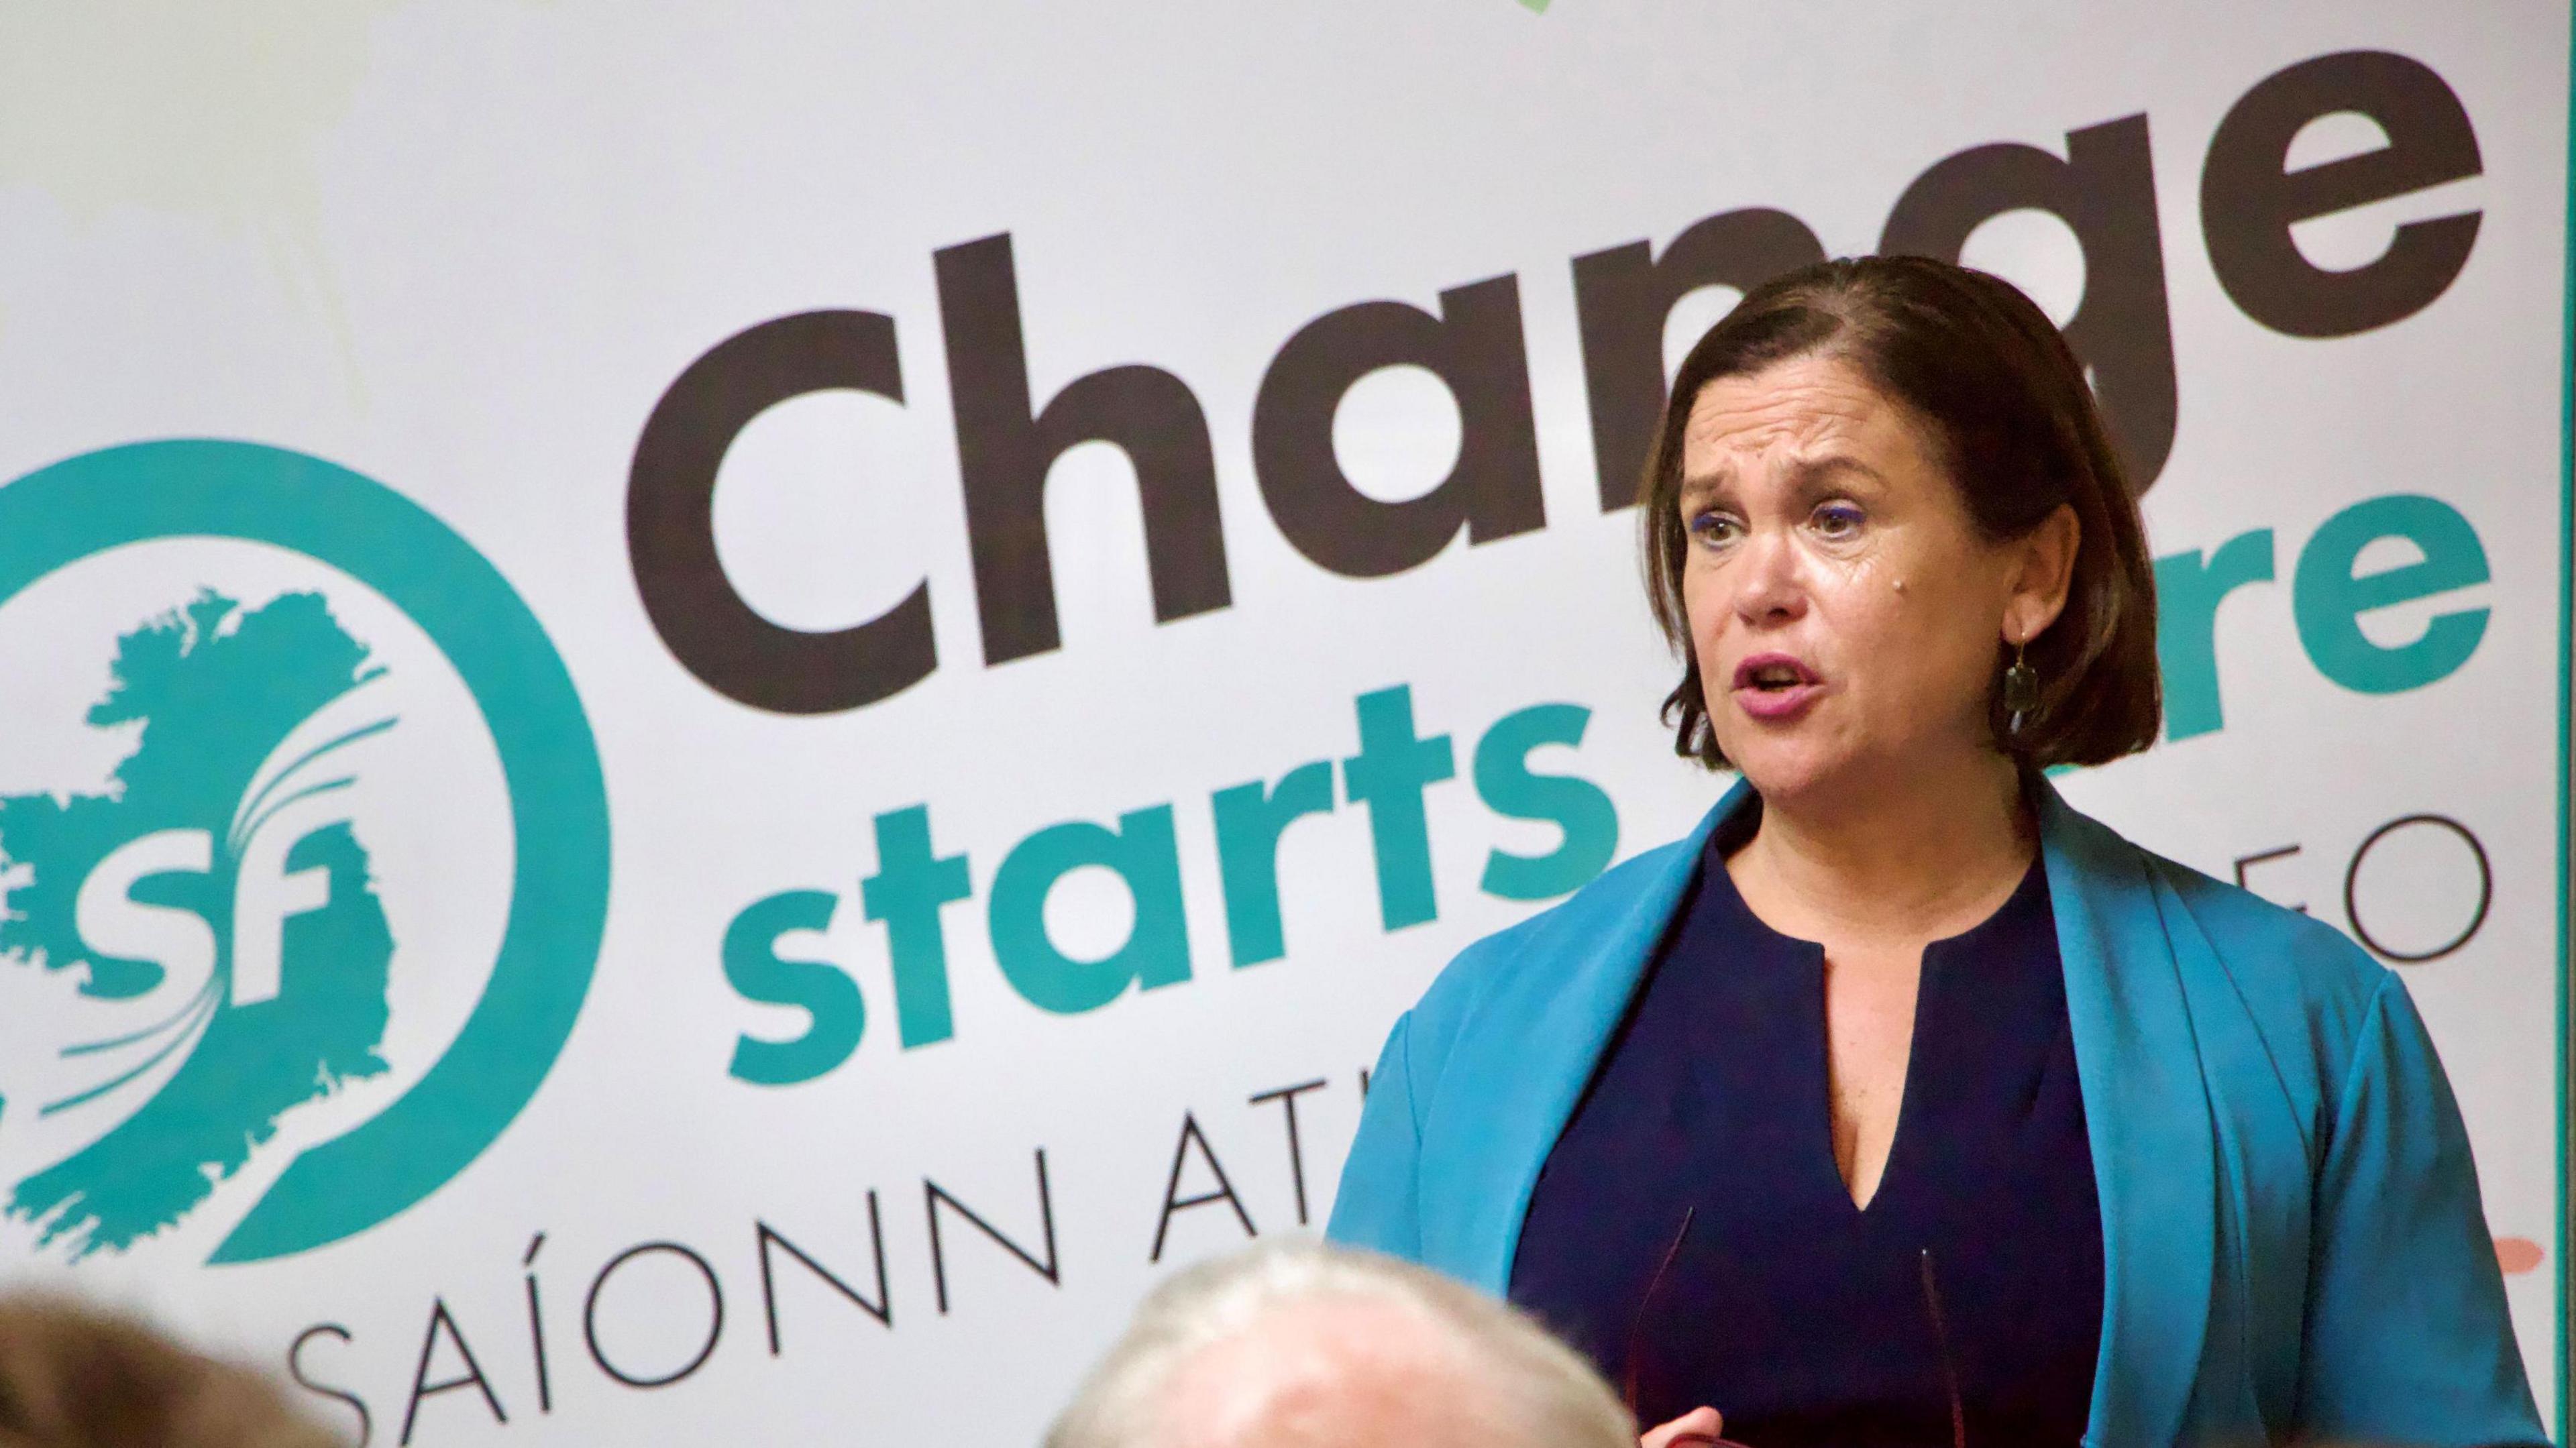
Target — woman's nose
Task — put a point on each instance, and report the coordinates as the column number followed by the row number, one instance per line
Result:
column 1768, row 581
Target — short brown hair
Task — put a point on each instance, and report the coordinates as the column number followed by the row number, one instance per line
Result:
column 2016, row 428
column 74, row 1377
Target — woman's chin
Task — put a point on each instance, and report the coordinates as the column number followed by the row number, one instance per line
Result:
column 1784, row 771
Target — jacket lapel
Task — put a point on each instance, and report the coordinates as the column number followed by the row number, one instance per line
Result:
column 2146, row 1109
column 1528, row 1048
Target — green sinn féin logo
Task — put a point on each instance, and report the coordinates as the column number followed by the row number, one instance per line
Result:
column 150, row 882
column 216, row 913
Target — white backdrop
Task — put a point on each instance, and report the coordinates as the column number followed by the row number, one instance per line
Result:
column 465, row 249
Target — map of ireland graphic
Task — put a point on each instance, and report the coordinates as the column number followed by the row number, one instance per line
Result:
column 294, row 1003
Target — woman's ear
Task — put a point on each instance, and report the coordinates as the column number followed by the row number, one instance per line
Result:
column 2046, row 572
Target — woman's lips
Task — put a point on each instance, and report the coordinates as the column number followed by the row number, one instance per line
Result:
column 1775, row 687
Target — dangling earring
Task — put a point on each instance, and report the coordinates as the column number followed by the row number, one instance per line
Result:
column 2021, row 688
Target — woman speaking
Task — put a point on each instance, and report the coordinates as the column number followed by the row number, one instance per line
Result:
column 1900, row 1103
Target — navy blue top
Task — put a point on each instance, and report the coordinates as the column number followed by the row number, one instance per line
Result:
column 1802, row 1318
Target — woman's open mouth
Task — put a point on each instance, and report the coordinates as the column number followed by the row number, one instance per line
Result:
column 1775, row 687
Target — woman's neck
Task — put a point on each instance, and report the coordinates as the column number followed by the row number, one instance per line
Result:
column 1916, row 858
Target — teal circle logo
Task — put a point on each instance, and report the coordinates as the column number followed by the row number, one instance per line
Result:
column 211, row 932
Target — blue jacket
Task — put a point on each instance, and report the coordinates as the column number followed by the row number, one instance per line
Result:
column 2292, row 1241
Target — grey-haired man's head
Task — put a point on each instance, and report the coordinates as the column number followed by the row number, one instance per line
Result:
column 1301, row 1345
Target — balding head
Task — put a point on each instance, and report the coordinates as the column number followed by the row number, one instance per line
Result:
column 1297, row 1345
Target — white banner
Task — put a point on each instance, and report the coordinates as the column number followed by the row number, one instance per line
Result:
column 719, row 718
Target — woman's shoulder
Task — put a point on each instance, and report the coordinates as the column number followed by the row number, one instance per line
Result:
column 2309, row 989
column 2265, row 943
column 1520, row 967
column 2259, row 940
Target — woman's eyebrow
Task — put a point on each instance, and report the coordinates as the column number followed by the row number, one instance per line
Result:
column 1806, row 476
column 1811, row 472
column 1700, row 487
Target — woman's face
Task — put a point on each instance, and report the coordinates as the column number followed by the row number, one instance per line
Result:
column 1843, row 609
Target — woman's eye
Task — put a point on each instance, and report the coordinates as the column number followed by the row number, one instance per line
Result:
column 1838, row 520
column 1713, row 528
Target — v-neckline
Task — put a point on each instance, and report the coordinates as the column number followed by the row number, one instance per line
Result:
column 1817, row 1135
